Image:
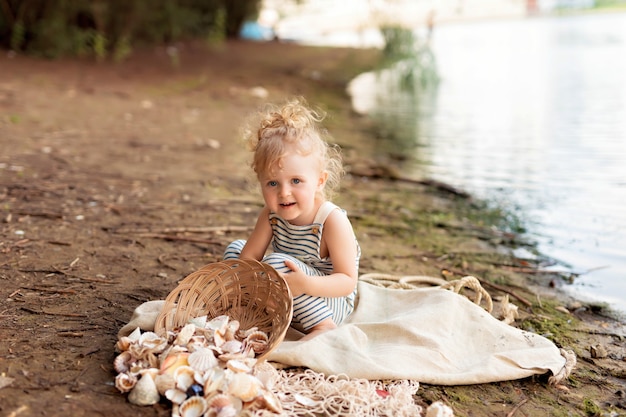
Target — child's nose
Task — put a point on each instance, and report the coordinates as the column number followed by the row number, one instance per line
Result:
column 285, row 190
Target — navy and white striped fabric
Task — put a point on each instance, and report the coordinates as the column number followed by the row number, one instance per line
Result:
column 301, row 244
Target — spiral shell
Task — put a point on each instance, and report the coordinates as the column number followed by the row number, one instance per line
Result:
column 122, row 362
column 258, row 341
column 125, row 382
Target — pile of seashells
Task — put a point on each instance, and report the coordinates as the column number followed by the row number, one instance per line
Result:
column 205, row 368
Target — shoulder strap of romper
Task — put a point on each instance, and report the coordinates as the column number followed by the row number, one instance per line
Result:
column 325, row 209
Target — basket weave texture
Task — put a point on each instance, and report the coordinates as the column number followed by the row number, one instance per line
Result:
column 248, row 291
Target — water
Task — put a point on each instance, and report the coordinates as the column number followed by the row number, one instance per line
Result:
column 530, row 113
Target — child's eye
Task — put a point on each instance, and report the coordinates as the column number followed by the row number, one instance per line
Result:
column 272, row 183
column 295, row 181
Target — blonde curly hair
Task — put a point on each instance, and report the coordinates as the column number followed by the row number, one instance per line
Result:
column 275, row 131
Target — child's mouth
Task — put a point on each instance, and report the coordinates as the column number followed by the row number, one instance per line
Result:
column 287, row 204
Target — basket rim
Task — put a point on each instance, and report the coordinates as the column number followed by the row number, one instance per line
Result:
column 223, row 278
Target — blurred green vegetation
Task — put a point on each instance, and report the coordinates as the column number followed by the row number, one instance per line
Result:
column 110, row 29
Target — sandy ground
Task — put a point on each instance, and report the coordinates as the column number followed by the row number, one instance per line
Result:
column 117, row 181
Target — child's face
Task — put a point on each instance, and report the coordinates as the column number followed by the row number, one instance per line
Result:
column 290, row 190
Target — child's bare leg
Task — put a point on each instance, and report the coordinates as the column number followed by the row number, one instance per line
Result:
column 321, row 327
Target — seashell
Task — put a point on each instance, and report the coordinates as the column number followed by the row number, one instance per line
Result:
column 184, row 377
column 231, row 330
column 224, row 405
column 244, row 386
column 125, row 382
column 202, row 360
column 164, row 382
column 173, row 362
column 134, row 335
column 136, row 367
column 271, row 402
column 144, row 392
column 267, row 401
column 199, row 321
column 214, row 380
column 197, row 342
column 219, row 338
column 192, row 407
column 439, row 409
column 185, row 334
column 241, row 356
column 306, row 401
column 123, row 344
column 242, row 334
column 219, row 323
column 176, row 396
column 258, row 341
column 122, row 362
column 152, row 342
column 238, row 366
column 232, row 346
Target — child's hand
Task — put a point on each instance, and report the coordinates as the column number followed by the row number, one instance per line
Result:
column 296, row 279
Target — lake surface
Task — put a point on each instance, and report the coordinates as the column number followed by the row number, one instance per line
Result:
column 530, row 113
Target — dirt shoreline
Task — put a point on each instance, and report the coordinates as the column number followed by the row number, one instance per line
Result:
column 117, row 181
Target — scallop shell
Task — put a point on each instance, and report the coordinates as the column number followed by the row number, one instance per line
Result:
column 144, row 392
column 185, row 334
column 125, row 382
column 122, row 362
column 184, row 377
column 176, row 396
column 224, row 405
column 202, row 360
column 192, row 407
column 173, row 362
column 244, row 386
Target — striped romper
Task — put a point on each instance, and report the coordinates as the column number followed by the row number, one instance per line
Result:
column 301, row 244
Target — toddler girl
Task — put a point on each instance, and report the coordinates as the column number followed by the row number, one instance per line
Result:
column 313, row 245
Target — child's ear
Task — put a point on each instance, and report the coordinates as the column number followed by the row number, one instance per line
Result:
column 322, row 180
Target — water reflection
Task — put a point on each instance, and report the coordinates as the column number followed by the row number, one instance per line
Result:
column 531, row 113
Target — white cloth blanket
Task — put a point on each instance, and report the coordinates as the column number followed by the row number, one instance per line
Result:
column 429, row 335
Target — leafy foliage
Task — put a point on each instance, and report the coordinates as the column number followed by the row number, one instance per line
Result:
column 110, row 28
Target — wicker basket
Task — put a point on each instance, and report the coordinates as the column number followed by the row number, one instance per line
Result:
column 249, row 291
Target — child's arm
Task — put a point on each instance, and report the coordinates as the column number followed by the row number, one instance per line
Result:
column 339, row 237
column 259, row 239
